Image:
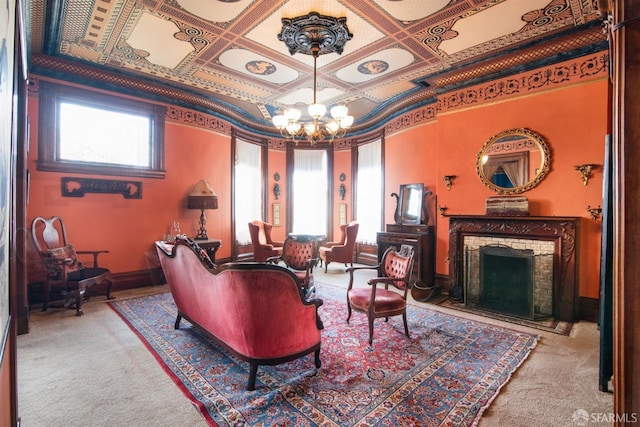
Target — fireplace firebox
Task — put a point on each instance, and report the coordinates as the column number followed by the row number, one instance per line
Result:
column 506, row 280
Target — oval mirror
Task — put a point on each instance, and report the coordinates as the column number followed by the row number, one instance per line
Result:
column 513, row 161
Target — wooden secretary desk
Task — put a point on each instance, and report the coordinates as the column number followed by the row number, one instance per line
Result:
column 414, row 227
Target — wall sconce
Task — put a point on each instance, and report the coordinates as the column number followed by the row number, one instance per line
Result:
column 594, row 212
column 342, row 190
column 276, row 186
column 585, row 172
column 202, row 197
column 442, row 210
column 448, row 180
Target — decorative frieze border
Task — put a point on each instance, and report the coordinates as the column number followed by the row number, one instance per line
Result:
column 585, row 69
column 580, row 70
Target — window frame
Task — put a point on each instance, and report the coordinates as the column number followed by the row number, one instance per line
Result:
column 50, row 97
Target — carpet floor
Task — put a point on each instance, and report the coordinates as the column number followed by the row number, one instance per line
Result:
column 447, row 373
column 548, row 324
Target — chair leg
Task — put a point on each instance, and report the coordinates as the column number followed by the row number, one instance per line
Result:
column 406, row 326
column 78, row 295
column 47, row 291
column 348, row 312
column 109, row 286
column 370, row 330
column 317, row 359
column 253, row 372
column 326, row 264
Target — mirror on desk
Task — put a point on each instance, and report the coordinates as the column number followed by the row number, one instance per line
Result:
column 410, row 208
column 513, row 161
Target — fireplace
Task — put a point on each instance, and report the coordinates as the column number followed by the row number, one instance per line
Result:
column 509, row 280
column 518, row 266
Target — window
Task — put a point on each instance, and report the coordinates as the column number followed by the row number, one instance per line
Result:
column 247, row 188
column 99, row 134
column 310, row 192
column 369, row 191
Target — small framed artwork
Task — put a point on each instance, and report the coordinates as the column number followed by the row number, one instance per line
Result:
column 276, row 215
column 342, row 213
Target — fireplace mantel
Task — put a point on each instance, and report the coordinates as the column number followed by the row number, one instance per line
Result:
column 562, row 231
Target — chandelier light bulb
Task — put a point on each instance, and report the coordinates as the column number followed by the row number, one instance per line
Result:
column 292, row 114
column 339, row 111
column 333, row 126
column 310, row 128
column 279, row 121
column 317, row 110
column 293, row 127
column 346, row 121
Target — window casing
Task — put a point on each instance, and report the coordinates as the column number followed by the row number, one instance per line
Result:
column 58, row 107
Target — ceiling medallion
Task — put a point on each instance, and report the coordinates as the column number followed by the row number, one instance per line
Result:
column 315, row 35
column 314, row 31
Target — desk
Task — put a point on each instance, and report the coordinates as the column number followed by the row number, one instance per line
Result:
column 211, row 246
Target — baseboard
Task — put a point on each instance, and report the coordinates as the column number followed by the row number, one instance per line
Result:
column 588, row 309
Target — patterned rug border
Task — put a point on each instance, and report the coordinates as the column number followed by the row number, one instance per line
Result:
column 333, row 290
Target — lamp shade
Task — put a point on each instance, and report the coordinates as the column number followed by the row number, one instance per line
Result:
column 202, row 197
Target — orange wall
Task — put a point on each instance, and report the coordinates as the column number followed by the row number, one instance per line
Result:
column 277, row 163
column 573, row 121
column 127, row 228
column 341, row 165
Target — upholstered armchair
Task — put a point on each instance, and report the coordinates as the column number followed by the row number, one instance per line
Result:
column 341, row 251
column 394, row 269
column 263, row 247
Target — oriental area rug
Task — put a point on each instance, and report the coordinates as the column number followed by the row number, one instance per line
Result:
column 446, row 374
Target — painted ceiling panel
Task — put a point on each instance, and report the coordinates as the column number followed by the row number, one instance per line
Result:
column 490, row 24
column 225, row 54
column 157, row 40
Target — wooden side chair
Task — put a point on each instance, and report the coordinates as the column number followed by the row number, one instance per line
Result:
column 64, row 270
column 394, row 269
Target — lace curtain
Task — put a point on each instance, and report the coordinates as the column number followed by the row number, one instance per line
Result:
column 247, row 189
column 310, row 192
column 369, row 191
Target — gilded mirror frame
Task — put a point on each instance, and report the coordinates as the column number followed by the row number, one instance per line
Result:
column 524, row 137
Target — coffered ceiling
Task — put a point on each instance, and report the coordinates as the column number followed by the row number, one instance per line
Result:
column 224, row 56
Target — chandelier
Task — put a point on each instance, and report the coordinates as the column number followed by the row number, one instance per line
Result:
column 315, row 35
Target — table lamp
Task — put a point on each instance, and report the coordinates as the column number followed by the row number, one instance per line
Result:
column 202, row 197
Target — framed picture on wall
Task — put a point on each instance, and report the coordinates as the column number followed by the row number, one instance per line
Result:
column 276, row 215
column 342, row 213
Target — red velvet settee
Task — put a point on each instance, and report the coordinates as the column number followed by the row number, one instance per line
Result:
column 257, row 311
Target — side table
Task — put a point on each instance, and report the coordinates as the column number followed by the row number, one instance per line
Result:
column 211, row 246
